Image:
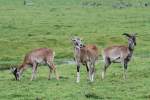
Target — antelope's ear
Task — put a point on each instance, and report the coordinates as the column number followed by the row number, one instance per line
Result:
column 126, row 34
column 135, row 34
column 81, row 38
column 71, row 38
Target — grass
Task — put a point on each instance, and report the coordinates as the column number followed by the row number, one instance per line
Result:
column 136, row 87
column 51, row 23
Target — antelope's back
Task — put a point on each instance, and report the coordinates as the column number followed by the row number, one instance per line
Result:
column 40, row 53
column 93, row 51
column 116, row 51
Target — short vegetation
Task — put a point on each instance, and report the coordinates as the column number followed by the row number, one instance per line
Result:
column 30, row 24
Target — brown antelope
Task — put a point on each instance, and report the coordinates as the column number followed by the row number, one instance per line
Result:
column 86, row 55
column 35, row 57
column 119, row 54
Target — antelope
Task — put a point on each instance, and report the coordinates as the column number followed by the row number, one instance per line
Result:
column 33, row 58
column 119, row 54
column 85, row 55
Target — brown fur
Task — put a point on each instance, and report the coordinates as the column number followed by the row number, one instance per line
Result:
column 119, row 54
column 39, row 56
column 117, row 51
column 89, row 52
column 87, row 56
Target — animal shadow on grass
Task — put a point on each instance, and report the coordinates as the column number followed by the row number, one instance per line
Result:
column 63, row 78
column 38, row 98
column 93, row 95
column 146, row 97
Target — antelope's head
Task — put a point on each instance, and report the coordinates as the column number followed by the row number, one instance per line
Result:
column 131, row 40
column 15, row 72
column 77, row 42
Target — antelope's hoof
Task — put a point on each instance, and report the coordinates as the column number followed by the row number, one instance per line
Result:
column 77, row 81
column 57, row 78
column 49, row 78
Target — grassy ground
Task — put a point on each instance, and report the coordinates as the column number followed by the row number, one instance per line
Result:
column 50, row 23
column 136, row 87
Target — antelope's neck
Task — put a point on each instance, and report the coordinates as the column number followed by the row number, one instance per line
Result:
column 77, row 51
column 130, row 54
column 131, row 48
column 21, row 68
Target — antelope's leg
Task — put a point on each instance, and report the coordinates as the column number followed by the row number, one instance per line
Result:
column 87, row 68
column 52, row 67
column 106, row 65
column 89, row 72
column 125, row 66
column 92, row 72
column 50, row 71
column 55, row 72
column 34, row 68
column 78, row 73
column 35, row 74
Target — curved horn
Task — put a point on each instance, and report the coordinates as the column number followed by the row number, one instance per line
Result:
column 12, row 69
column 126, row 34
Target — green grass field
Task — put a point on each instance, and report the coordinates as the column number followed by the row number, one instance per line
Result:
column 51, row 23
